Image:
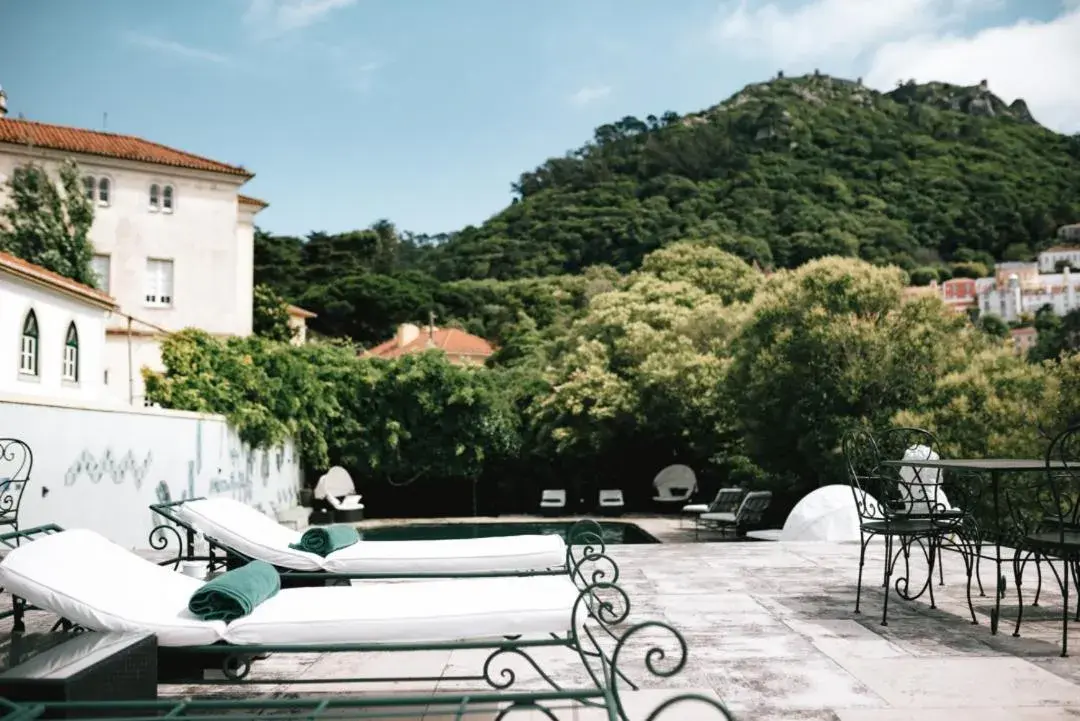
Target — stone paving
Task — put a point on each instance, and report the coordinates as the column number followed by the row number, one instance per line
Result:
column 771, row 632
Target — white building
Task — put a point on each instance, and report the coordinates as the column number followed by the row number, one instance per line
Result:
column 1069, row 233
column 1049, row 258
column 1058, row 290
column 173, row 238
column 52, row 334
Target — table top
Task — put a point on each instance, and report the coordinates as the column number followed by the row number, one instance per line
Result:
column 58, row 655
column 1016, row 465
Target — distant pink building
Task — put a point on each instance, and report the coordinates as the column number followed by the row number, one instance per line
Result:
column 959, row 293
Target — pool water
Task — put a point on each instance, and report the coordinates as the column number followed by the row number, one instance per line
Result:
column 614, row 532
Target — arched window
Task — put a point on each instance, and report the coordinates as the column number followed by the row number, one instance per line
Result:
column 155, row 197
column 28, row 349
column 103, row 186
column 167, row 199
column 71, row 354
column 88, row 187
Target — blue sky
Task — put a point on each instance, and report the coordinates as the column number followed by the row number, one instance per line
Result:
column 424, row 111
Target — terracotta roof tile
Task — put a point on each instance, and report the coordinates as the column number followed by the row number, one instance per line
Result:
column 453, row 341
column 248, row 200
column 46, row 277
column 298, row 312
column 108, row 145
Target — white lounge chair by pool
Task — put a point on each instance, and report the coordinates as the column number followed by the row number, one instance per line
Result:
column 675, row 484
column 553, row 500
column 611, row 500
column 240, row 527
column 85, row 578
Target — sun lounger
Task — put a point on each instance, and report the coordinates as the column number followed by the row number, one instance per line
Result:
column 246, row 533
column 94, row 584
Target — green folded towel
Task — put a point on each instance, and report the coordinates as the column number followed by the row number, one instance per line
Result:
column 235, row 593
column 324, row 540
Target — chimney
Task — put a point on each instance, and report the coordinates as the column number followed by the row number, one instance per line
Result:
column 407, row 333
column 3, row 103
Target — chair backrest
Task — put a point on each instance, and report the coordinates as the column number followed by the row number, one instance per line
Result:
column 611, row 497
column 16, row 463
column 726, row 500
column 675, row 483
column 553, row 497
column 1060, row 498
column 862, row 459
column 753, row 507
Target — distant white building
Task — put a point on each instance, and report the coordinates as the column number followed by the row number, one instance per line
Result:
column 52, row 334
column 1049, row 258
column 172, row 235
column 1069, row 233
column 1013, row 298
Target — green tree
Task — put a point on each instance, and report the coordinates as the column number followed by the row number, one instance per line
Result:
column 828, row 346
column 993, row 326
column 708, row 268
column 47, row 222
column 270, row 315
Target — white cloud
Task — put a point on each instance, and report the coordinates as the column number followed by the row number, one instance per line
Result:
column 171, row 47
column 589, row 94
column 271, row 18
column 827, row 30
column 1038, row 61
column 885, row 41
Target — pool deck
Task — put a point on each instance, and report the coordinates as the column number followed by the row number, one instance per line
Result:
column 771, row 632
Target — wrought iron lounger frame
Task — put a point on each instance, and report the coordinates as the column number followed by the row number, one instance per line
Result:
column 586, row 533
column 548, row 704
column 603, row 603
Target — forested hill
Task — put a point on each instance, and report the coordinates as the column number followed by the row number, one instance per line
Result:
column 789, row 170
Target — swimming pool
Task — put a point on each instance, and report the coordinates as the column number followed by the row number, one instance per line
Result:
column 614, row 532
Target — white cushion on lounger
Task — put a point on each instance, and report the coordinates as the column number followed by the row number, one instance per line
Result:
column 466, row 555
column 91, row 581
column 422, row 611
column 249, row 531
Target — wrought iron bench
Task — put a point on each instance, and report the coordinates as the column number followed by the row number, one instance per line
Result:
column 16, row 463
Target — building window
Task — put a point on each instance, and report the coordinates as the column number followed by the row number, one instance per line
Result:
column 167, row 199
column 159, row 282
column 71, row 354
column 155, row 197
column 88, row 187
column 101, row 266
column 103, row 186
column 28, row 349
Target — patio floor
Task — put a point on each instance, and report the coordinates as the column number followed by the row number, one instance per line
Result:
column 771, row 632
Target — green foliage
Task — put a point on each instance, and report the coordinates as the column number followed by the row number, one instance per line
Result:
column 708, row 268
column 993, row 326
column 829, row 345
column 270, row 314
column 47, row 222
column 811, row 166
column 400, row 420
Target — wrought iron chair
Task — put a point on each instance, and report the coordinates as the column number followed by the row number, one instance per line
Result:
column 16, row 463
column 749, row 512
column 900, row 508
column 1056, row 525
column 726, row 500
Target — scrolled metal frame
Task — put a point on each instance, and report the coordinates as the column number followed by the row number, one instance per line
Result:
column 885, row 506
column 459, row 707
column 16, row 465
column 599, row 609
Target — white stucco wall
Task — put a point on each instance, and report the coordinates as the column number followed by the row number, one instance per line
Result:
column 205, row 236
column 54, row 311
column 145, row 352
column 101, row 468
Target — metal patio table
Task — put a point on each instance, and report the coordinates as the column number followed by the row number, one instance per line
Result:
column 996, row 468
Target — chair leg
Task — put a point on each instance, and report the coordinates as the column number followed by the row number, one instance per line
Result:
column 888, row 575
column 940, row 568
column 864, row 539
column 1065, row 583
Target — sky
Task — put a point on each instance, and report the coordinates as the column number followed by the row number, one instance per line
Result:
column 423, row 112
